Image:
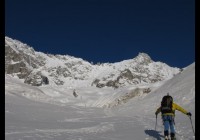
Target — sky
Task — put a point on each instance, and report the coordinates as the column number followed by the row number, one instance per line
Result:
column 106, row 30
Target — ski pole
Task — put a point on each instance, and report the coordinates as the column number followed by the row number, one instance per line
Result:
column 156, row 123
column 192, row 125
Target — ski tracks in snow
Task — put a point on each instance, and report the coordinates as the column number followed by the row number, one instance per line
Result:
column 150, row 125
column 62, row 133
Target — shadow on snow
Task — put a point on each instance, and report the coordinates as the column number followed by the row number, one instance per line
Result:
column 154, row 133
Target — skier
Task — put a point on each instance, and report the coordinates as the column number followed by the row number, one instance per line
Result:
column 167, row 110
column 74, row 93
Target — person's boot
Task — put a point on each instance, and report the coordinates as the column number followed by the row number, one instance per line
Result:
column 166, row 135
column 172, row 136
column 166, row 138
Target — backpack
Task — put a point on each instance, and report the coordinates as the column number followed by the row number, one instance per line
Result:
column 166, row 104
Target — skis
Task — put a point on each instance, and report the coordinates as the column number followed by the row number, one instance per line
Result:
column 168, row 138
column 173, row 139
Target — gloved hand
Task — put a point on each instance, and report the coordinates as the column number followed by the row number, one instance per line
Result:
column 189, row 114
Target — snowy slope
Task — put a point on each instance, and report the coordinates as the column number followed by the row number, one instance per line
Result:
column 52, row 112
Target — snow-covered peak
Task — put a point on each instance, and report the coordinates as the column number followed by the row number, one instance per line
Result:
column 143, row 58
column 38, row 68
column 19, row 46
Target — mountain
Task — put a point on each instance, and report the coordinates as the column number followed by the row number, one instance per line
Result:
column 37, row 68
column 49, row 112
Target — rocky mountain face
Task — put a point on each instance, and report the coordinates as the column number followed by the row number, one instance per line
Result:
column 37, row 68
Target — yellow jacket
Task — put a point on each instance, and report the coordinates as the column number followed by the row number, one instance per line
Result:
column 174, row 107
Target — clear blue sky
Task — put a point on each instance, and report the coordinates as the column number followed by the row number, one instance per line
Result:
column 106, row 30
